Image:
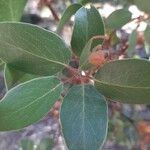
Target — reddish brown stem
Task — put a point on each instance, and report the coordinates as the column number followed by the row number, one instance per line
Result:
column 53, row 12
column 48, row 3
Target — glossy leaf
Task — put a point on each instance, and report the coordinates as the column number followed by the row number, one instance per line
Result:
column 45, row 144
column 143, row 5
column 31, row 49
column 11, row 10
column 88, row 23
column 70, row 11
column 28, row 102
column 27, row 144
column 84, row 118
column 132, row 43
column 118, row 18
column 126, row 81
column 14, row 77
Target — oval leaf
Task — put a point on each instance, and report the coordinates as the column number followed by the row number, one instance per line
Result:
column 132, row 42
column 28, row 102
column 11, row 10
column 118, row 18
column 88, row 23
column 143, row 5
column 14, row 77
column 31, row 49
column 126, row 81
column 71, row 10
column 84, row 118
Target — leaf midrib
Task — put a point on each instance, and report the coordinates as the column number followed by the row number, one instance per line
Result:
column 83, row 112
column 123, row 86
column 34, row 101
column 21, row 49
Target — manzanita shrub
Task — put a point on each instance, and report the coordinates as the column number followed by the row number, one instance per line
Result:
column 40, row 69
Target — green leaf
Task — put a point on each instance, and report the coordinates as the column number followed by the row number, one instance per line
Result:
column 147, row 48
column 31, row 49
column 84, row 118
column 88, row 1
column 85, row 54
column 126, row 81
column 14, row 77
column 114, row 38
column 88, row 23
column 143, row 5
column 147, row 38
column 118, row 18
column 45, row 144
column 11, row 10
column 1, row 64
column 132, row 42
column 83, row 1
column 28, row 102
column 71, row 10
column 147, row 33
column 27, row 144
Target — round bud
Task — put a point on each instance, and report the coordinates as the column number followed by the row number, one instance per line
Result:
column 97, row 58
